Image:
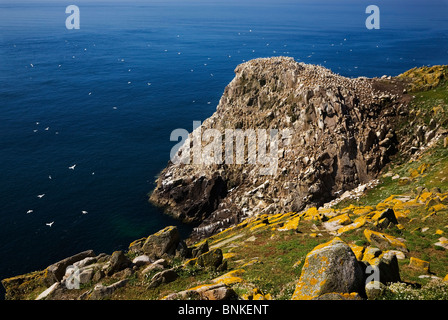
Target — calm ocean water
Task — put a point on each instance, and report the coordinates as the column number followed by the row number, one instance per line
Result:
column 107, row 96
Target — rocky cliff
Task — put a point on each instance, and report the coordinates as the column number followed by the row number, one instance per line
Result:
column 340, row 133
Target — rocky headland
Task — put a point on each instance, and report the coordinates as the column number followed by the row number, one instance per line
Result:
column 342, row 132
column 356, row 208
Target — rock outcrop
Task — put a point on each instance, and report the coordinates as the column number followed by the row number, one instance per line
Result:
column 330, row 267
column 334, row 133
column 56, row 271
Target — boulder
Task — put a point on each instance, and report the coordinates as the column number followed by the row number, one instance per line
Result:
column 141, row 260
column 48, row 291
column 383, row 268
column 201, row 248
column 220, row 293
column 210, row 259
column 385, row 217
column 329, row 267
column 118, row 262
column 85, row 262
column 86, row 275
column 55, row 272
column 156, row 265
column 103, row 292
column 136, row 246
column 374, row 289
column 384, row 241
column 165, row 276
column 419, row 264
column 163, row 242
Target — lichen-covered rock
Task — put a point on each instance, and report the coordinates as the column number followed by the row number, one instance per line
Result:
column 137, row 245
column 335, row 223
column 17, row 286
column 384, row 241
column 443, row 243
column 210, row 259
column 419, row 264
column 162, row 242
column 385, row 217
column 330, row 267
column 370, row 254
column 231, row 277
column 359, row 222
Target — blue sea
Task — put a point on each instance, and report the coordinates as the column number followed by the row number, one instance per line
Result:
column 107, row 96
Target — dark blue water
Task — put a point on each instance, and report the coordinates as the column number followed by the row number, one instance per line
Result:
column 110, row 93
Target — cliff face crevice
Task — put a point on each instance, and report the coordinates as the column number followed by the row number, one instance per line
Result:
column 334, row 133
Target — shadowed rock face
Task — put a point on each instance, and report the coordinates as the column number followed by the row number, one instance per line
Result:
column 340, row 134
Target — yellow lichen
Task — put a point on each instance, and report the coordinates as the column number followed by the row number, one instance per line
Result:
column 437, row 207
column 362, row 210
column 419, row 264
column 359, row 222
column 394, row 242
column 228, row 255
column 291, row 224
column 342, row 219
column 357, row 250
column 230, row 277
